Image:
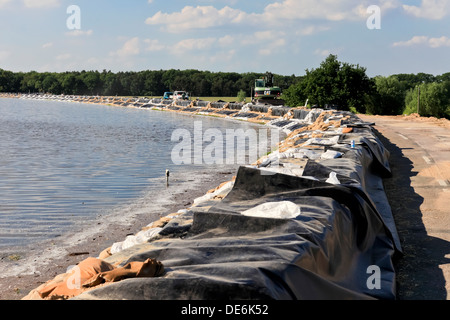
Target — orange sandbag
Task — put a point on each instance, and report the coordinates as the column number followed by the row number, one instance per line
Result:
column 347, row 130
column 92, row 272
column 71, row 285
column 148, row 268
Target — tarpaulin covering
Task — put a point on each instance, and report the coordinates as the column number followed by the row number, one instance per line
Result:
column 327, row 233
column 323, row 253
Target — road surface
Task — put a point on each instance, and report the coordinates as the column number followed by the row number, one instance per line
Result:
column 419, row 193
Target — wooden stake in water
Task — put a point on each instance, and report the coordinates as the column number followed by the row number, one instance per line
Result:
column 167, row 178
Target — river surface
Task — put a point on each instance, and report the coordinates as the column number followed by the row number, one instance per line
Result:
column 62, row 165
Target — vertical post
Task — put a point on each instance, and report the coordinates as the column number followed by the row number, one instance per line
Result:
column 418, row 100
column 167, row 178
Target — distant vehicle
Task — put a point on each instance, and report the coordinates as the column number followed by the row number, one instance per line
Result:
column 168, row 95
column 266, row 92
column 181, row 95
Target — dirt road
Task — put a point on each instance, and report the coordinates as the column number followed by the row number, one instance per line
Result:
column 419, row 193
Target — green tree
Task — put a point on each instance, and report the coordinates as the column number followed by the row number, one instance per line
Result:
column 217, row 87
column 333, row 83
column 7, row 81
column 388, row 97
column 51, row 84
column 296, row 94
column 153, row 84
column 92, row 82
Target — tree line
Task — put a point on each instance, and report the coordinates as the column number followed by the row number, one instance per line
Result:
column 349, row 87
column 142, row 83
column 332, row 83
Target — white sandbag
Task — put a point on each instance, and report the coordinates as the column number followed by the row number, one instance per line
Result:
column 116, row 247
column 322, row 142
column 307, row 154
column 203, row 198
column 331, row 154
column 286, row 155
column 333, row 178
column 265, row 162
column 132, row 240
column 246, row 108
column 129, row 242
column 275, row 210
column 224, row 190
column 146, row 235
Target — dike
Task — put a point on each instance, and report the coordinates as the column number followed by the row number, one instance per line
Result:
column 310, row 220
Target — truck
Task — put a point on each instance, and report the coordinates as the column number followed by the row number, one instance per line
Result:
column 181, row 95
column 168, row 95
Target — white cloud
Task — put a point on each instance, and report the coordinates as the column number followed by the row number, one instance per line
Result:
column 275, row 46
column 78, row 33
column 226, row 41
column 327, row 52
column 429, row 9
column 413, row 41
column 200, row 17
column 4, row 2
column 312, row 30
column 221, row 56
column 330, row 10
column 424, row 41
column 322, row 52
column 154, row 45
column 308, row 9
column 47, row 45
column 277, row 13
column 268, row 35
column 269, row 38
column 130, row 48
column 41, row 3
column 439, row 42
column 194, row 44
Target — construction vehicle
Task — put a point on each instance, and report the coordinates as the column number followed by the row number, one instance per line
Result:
column 265, row 92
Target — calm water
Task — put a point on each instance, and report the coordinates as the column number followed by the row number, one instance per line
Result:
column 64, row 164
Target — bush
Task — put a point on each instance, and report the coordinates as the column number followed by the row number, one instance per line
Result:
column 241, row 96
column 434, row 100
column 388, row 96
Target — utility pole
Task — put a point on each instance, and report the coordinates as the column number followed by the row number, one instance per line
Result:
column 418, row 100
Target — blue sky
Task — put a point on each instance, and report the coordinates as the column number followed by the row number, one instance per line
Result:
column 284, row 37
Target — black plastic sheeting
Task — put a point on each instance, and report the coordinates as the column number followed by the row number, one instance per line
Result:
column 324, row 253
column 328, row 251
